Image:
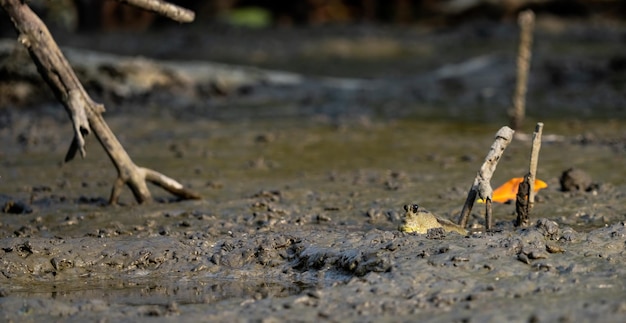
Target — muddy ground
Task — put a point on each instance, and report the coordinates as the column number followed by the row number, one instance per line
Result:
column 303, row 183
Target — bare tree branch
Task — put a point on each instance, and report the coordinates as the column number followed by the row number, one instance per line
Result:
column 163, row 8
column 85, row 114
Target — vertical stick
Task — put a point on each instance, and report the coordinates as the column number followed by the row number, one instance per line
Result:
column 534, row 159
column 467, row 207
column 526, row 21
column 488, row 215
column 521, row 202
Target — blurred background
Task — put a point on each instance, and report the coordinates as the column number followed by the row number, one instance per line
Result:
column 423, row 58
column 102, row 15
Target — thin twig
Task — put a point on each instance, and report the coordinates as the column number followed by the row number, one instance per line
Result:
column 481, row 187
column 526, row 20
column 525, row 199
column 534, row 160
column 163, row 8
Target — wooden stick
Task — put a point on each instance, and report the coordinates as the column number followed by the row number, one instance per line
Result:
column 85, row 114
column 163, row 8
column 521, row 202
column 534, row 160
column 526, row 21
column 525, row 198
column 488, row 215
column 481, row 186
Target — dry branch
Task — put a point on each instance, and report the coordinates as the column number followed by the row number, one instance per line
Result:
column 481, row 187
column 534, row 160
column 85, row 114
column 526, row 191
column 526, row 20
column 163, row 8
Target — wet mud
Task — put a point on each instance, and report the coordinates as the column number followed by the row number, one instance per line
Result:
column 303, row 193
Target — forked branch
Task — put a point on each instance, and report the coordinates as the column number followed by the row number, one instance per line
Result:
column 85, row 114
column 482, row 183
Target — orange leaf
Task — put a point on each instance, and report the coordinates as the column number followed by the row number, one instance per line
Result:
column 508, row 190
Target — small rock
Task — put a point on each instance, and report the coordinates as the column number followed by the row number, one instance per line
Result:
column 548, row 228
column 523, row 258
column 16, row 207
column 537, row 254
column 554, row 248
column 575, row 180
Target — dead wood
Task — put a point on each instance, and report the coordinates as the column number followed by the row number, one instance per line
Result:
column 163, row 8
column 534, row 160
column 85, row 114
column 526, row 191
column 526, row 20
column 482, row 187
column 521, row 202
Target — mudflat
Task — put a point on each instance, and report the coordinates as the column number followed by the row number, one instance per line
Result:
column 304, row 185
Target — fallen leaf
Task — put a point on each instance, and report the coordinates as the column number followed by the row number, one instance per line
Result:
column 508, row 190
